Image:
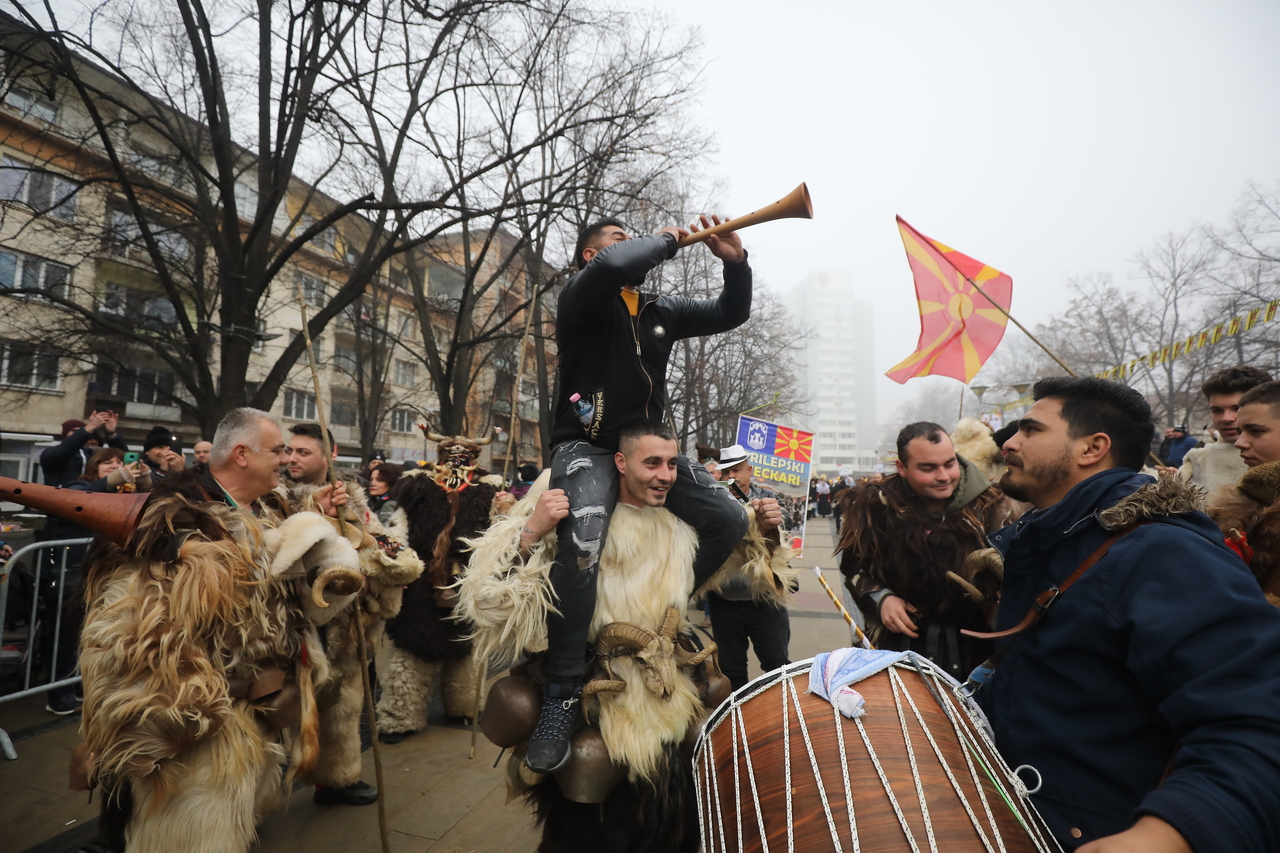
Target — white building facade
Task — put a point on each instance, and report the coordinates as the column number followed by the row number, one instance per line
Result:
column 839, row 370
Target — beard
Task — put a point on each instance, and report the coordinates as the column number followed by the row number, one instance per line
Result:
column 1036, row 478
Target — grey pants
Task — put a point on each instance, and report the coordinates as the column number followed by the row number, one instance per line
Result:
column 590, row 479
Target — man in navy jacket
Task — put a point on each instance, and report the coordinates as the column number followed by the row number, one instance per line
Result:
column 1148, row 695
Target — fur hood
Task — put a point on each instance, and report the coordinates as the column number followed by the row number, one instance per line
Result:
column 1167, row 496
column 1249, row 512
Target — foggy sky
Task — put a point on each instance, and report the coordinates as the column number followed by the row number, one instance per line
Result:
column 1047, row 140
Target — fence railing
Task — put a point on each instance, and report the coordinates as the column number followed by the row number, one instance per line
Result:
column 33, row 626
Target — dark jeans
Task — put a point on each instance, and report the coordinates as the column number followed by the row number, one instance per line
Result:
column 735, row 623
column 590, row 479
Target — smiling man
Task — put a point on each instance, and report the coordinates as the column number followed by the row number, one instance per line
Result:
column 1219, row 464
column 901, row 538
column 1148, row 696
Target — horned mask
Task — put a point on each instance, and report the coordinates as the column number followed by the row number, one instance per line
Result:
column 456, row 458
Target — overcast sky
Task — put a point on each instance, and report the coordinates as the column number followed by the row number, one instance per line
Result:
column 1047, row 140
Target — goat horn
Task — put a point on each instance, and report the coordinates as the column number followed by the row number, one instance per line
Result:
column 483, row 441
column 431, row 436
column 602, row 685
column 694, row 660
column 335, row 574
column 670, row 623
column 623, row 634
column 987, row 559
column 977, row 596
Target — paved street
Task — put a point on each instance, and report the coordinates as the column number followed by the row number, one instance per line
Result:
column 437, row 798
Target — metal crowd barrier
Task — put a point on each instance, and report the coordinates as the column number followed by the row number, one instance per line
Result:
column 6, row 573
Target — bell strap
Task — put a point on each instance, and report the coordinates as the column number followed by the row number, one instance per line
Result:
column 1045, row 599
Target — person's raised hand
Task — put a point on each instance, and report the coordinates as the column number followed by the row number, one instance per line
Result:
column 768, row 514
column 330, row 498
column 111, row 422
column 96, row 419
column 895, row 614
column 678, row 233
column 553, row 505
column 728, row 246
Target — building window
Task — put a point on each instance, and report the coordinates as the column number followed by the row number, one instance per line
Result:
column 343, row 412
column 36, row 276
column 44, row 191
column 23, row 365
column 406, row 373
column 402, row 420
column 32, row 103
column 314, row 292
column 344, row 358
column 115, row 300
column 299, row 405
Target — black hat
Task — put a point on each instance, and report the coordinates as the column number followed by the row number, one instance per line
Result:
column 1005, row 433
column 379, row 455
column 162, row 436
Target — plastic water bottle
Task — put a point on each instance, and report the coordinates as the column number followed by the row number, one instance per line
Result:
column 584, row 410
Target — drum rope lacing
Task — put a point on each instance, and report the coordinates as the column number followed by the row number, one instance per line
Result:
column 813, row 763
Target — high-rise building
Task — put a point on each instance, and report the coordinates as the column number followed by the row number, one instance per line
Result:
column 839, row 370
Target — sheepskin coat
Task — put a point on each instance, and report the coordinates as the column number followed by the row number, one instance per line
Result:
column 646, row 567
column 204, row 595
column 1212, row 466
column 435, row 521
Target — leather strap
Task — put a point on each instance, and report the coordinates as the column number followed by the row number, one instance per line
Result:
column 1046, row 599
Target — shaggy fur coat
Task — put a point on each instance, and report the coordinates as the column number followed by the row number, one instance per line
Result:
column 1213, row 466
column 1252, row 508
column 340, row 698
column 765, row 565
column 203, row 595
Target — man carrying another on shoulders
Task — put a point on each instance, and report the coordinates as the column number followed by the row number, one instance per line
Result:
column 1148, row 695
column 614, row 342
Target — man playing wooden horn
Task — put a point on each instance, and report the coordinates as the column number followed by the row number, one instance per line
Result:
column 614, row 342
column 1150, row 689
column 200, row 655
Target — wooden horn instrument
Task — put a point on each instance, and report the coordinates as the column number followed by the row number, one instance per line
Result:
column 110, row 515
column 795, row 205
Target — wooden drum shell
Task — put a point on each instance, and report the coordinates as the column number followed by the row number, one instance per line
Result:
column 755, row 714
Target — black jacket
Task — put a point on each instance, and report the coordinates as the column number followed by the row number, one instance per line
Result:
column 65, row 463
column 618, row 363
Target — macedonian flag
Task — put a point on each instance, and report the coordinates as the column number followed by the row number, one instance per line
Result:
column 959, row 327
column 793, row 444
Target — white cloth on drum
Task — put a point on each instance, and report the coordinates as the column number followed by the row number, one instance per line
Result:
column 833, row 672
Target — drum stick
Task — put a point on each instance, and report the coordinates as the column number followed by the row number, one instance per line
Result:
column 831, row 593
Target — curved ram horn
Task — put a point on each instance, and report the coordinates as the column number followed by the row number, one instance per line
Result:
column 623, row 634
column 669, row 623
column 483, row 441
column 602, row 685
column 431, row 436
column 972, row 590
column 342, row 575
column 694, row 660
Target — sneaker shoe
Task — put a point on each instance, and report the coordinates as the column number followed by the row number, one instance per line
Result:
column 561, row 716
column 358, row 794
column 62, row 704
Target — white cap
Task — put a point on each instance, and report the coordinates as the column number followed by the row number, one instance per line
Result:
column 732, row 455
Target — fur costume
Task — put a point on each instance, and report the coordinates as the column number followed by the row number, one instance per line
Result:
column 648, row 700
column 185, row 630
column 388, row 566
column 1248, row 514
column 890, row 542
column 434, row 510
column 973, row 440
column 1213, row 466
column 762, row 561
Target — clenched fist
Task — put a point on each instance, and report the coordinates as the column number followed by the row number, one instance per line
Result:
column 553, row 505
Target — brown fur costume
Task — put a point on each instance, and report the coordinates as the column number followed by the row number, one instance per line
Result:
column 341, row 697
column 646, row 570
column 973, row 440
column 889, row 541
column 426, row 646
column 202, row 606
column 1252, row 507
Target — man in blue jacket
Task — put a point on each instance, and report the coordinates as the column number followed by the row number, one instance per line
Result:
column 1148, row 695
column 613, row 342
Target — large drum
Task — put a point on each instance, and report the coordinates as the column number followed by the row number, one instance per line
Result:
column 780, row 769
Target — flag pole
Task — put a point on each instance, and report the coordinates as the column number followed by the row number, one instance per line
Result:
column 1015, row 322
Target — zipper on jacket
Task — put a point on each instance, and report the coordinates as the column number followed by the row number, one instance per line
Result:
column 635, row 331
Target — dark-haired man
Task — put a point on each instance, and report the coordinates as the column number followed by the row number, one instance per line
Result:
column 1219, row 464
column 1148, row 695
column 905, row 536
column 305, row 458
column 613, row 343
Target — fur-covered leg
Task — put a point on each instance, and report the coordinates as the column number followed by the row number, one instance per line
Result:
column 212, row 802
column 458, row 686
column 339, row 764
column 406, row 691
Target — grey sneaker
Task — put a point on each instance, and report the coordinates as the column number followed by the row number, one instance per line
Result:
column 561, row 716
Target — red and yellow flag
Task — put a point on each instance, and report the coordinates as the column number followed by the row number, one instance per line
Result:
column 959, row 327
column 793, row 444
